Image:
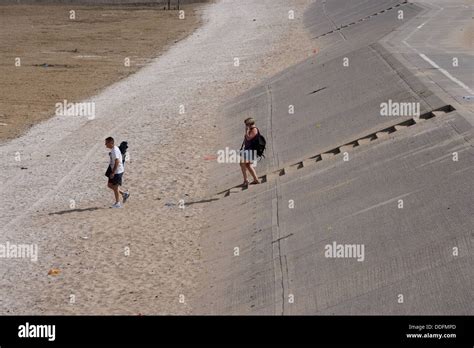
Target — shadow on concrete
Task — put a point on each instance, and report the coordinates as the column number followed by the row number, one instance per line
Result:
column 202, row 201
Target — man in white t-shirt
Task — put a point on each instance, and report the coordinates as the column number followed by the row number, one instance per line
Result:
column 115, row 172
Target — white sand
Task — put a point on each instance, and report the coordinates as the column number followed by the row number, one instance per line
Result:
column 166, row 150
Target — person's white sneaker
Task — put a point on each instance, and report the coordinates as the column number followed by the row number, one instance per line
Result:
column 117, row 205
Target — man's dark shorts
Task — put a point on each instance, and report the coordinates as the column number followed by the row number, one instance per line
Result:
column 116, row 180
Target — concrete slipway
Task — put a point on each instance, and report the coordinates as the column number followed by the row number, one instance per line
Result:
column 337, row 171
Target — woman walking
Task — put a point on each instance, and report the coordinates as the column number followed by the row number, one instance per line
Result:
column 249, row 152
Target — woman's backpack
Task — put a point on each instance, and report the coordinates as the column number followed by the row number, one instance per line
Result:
column 260, row 144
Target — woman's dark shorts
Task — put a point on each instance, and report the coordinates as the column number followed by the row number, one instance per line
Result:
column 116, row 180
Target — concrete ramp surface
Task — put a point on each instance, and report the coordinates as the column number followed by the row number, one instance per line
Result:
column 359, row 213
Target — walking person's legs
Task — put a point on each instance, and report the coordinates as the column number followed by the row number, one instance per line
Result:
column 110, row 185
column 115, row 188
column 252, row 172
column 115, row 185
column 243, row 167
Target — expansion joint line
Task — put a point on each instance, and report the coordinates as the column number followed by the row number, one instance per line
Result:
column 270, row 125
column 277, row 194
column 279, row 252
column 373, row 48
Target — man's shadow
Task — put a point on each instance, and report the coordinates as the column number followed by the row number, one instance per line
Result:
column 62, row 212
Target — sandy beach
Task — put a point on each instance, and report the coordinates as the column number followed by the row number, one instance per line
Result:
column 145, row 258
column 73, row 58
